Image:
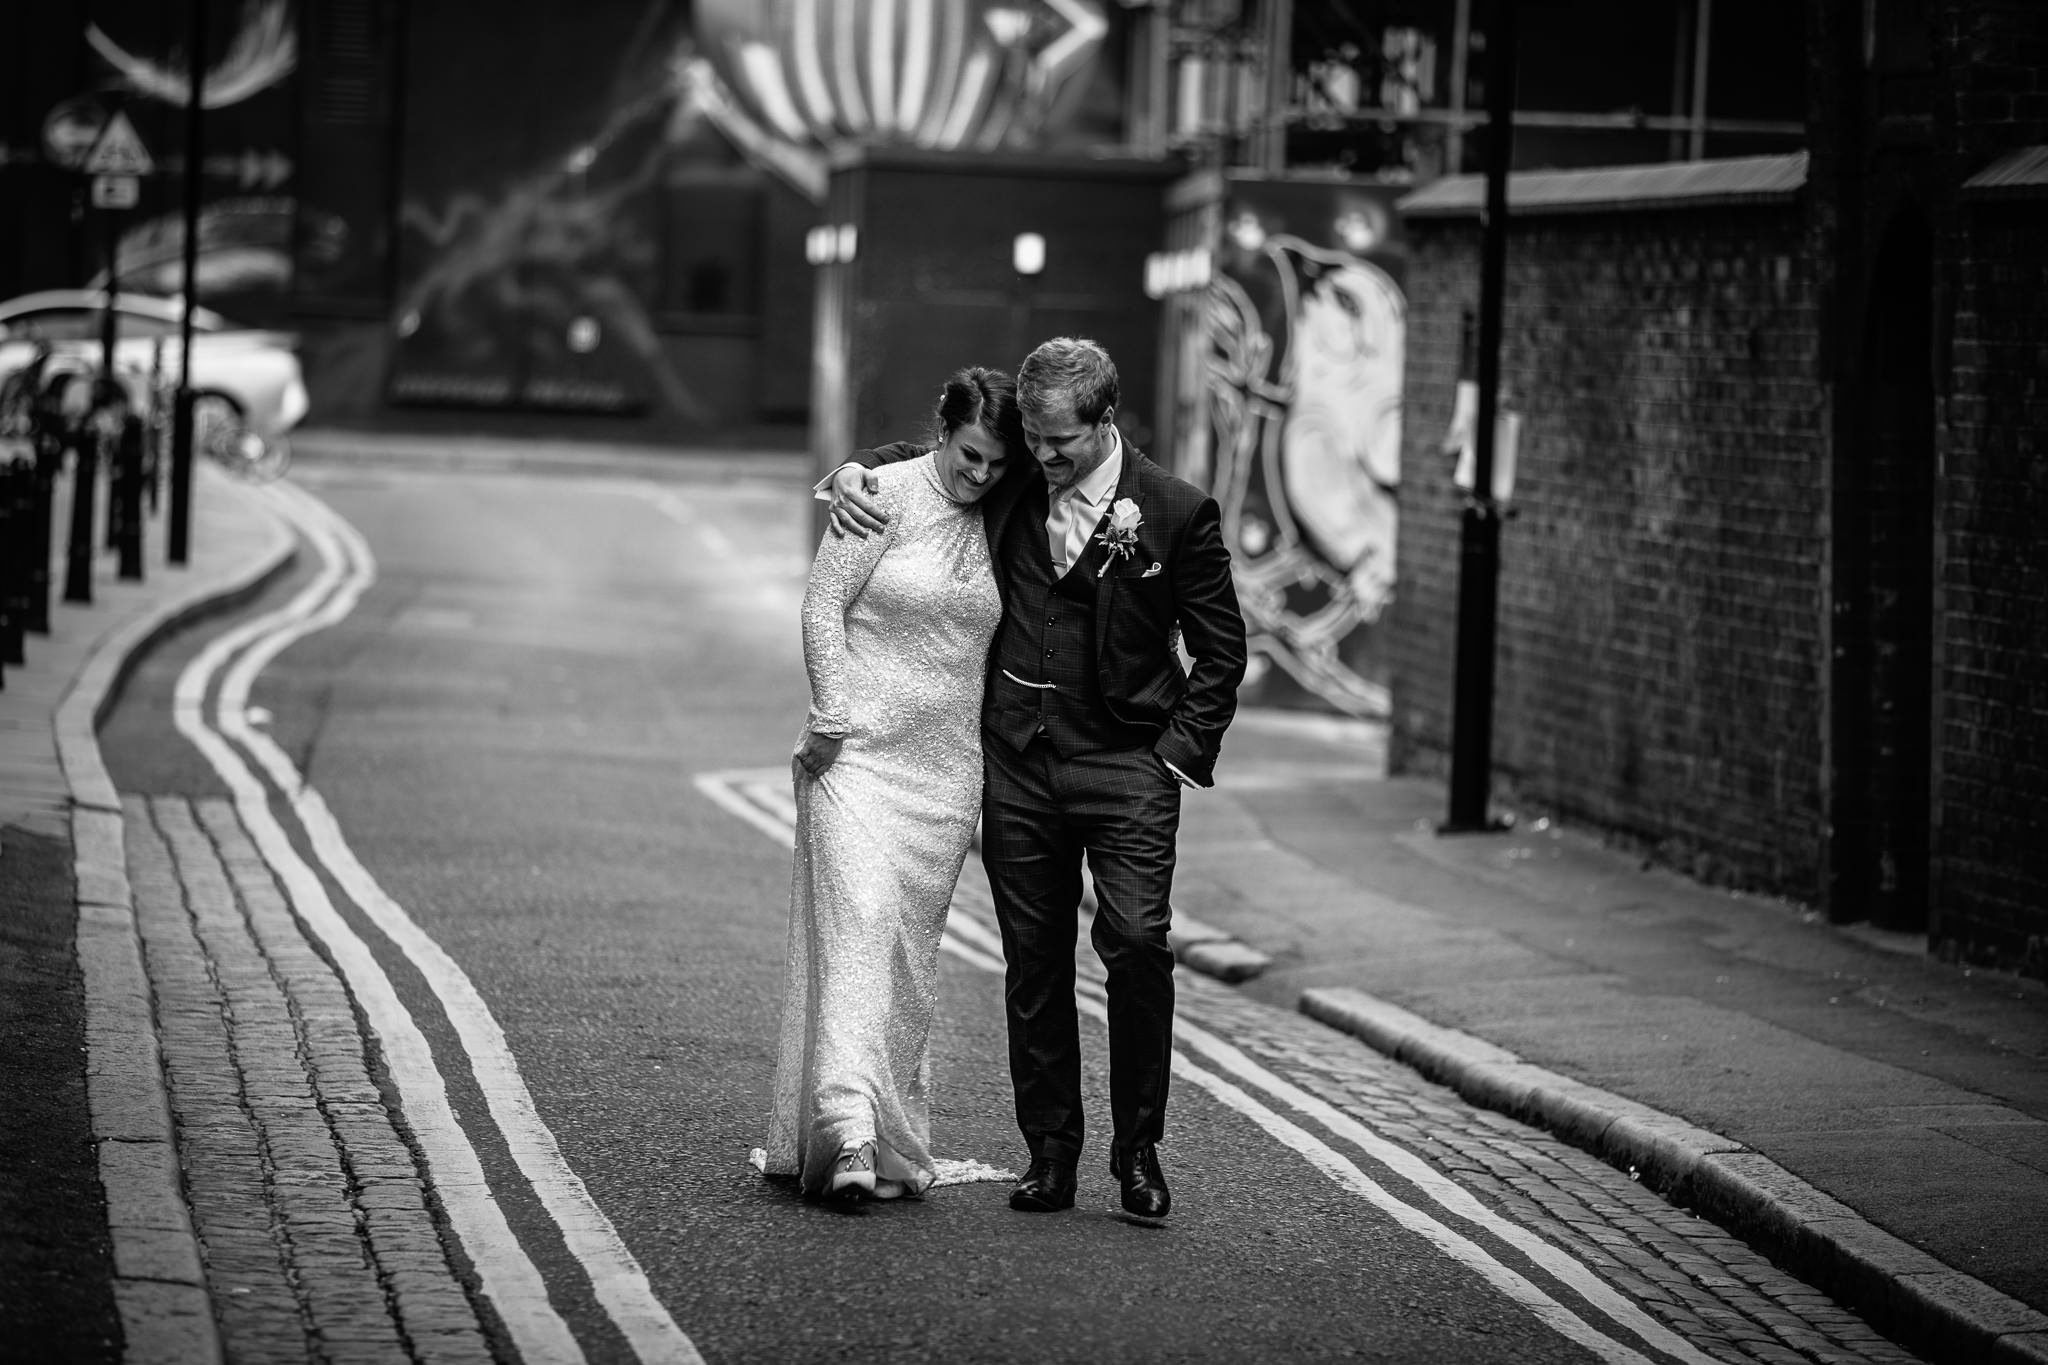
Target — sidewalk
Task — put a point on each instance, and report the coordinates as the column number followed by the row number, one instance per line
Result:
column 1875, row 1120
column 100, row 1248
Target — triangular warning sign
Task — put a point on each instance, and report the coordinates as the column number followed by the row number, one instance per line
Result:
column 119, row 151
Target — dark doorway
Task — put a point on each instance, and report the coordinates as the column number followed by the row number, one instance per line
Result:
column 1882, row 684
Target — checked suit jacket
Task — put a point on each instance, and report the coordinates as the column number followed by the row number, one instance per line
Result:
column 1139, row 607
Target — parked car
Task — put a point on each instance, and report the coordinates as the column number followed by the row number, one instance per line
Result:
column 246, row 379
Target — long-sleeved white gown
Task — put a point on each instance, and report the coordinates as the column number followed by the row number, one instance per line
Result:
column 896, row 636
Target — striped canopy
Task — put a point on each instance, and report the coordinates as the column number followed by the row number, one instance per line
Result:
column 975, row 74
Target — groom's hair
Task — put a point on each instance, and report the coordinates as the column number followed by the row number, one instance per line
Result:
column 1068, row 370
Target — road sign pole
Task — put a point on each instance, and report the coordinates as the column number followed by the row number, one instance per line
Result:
column 109, row 324
column 181, row 432
column 183, row 411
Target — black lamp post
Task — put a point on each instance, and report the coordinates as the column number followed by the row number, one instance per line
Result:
column 1479, row 558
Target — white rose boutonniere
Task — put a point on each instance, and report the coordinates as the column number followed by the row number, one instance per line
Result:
column 1119, row 539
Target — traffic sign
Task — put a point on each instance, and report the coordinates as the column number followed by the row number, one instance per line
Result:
column 115, row 191
column 72, row 127
column 119, row 150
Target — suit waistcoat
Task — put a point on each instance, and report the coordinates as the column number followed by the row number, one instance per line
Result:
column 1048, row 636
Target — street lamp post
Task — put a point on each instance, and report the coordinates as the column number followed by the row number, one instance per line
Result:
column 178, row 551
column 1479, row 558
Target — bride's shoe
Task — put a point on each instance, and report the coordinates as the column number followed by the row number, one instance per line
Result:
column 853, row 1174
column 890, row 1189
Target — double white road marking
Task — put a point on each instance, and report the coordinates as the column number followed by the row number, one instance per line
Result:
column 244, row 758
column 761, row 798
column 212, row 710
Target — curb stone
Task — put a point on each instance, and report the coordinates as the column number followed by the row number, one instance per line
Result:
column 160, row 1288
column 1921, row 1302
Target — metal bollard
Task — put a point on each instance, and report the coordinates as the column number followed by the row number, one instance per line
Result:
column 125, row 504
column 85, row 459
column 13, row 563
column 42, row 534
column 17, row 499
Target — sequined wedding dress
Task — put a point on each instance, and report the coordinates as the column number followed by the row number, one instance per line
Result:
column 896, row 636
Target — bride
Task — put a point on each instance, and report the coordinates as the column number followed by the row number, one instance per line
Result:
column 888, row 786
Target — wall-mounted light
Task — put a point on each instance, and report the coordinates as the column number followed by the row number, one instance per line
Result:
column 828, row 244
column 1361, row 228
column 1173, row 272
column 1245, row 230
column 1027, row 253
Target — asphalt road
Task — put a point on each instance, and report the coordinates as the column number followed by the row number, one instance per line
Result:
column 510, row 726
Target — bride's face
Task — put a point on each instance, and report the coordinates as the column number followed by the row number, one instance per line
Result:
column 969, row 463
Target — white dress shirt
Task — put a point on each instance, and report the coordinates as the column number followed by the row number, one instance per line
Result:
column 1075, row 509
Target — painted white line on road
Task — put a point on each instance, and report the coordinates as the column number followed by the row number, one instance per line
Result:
column 617, row 1280
column 1451, row 1196
column 721, row 788
column 678, row 510
column 724, row 790
column 976, row 943
column 1448, row 1193
column 507, row 1276
column 1447, row 1240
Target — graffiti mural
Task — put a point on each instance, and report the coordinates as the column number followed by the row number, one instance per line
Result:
column 544, row 254
column 528, row 251
column 1300, row 372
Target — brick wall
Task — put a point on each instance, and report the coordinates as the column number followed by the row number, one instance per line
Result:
column 1991, row 856
column 1660, row 659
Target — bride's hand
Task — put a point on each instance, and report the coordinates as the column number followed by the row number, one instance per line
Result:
column 816, row 753
column 855, row 510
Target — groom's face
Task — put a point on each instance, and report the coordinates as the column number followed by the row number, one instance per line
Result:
column 1067, row 448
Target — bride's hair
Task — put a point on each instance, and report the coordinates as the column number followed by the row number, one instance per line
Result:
column 981, row 397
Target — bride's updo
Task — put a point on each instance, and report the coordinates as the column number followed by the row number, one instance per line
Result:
column 982, row 397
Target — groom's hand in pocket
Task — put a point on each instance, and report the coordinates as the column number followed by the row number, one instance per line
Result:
column 815, row 753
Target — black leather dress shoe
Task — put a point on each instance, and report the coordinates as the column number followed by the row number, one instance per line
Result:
column 1144, row 1186
column 1047, row 1187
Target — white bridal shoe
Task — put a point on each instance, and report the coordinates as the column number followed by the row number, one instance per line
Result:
column 853, row 1174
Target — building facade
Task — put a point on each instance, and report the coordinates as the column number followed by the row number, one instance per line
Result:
column 1771, row 594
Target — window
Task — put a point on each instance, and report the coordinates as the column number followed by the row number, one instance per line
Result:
column 710, row 247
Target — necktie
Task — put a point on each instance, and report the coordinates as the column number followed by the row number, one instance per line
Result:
column 1059, row 527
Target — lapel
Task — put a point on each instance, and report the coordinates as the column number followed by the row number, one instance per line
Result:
column 1016, row 491
column 1105, row 588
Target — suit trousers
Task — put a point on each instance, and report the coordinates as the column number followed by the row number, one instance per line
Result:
column 1041, row 813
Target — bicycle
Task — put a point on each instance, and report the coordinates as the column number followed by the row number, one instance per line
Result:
column 219, row 430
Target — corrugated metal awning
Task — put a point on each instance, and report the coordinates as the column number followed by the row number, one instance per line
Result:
column 2024, row 171
column 1675, row 184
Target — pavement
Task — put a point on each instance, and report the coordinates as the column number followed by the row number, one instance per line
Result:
column 1875, row 1120
column 104, row 1232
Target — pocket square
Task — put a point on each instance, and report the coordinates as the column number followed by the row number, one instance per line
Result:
column 1157, row 567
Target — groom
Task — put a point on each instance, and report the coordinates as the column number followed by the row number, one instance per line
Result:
column 1090, row 728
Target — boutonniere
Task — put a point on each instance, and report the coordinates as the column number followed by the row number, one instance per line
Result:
column 1119, row 539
